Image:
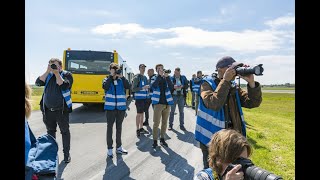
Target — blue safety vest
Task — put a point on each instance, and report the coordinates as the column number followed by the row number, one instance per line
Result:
column 143, row 93
column 210, row 121
column 115, row 97
column 65, row 93
column 195, row 87
column 156, row 95
column 152, row 79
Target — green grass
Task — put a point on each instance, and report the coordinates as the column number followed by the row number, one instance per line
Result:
column 278, row 88
column 36, row 97
column 270, row 131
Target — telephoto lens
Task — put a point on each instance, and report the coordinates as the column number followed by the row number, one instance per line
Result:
column 168, row 71
column 244, row 71
column 53, row 66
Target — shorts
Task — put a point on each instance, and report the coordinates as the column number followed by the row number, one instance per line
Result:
column 142, row 105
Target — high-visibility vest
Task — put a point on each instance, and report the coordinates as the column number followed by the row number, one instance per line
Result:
column 115, row 97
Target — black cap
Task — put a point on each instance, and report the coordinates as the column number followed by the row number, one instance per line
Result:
column 225, row 62
column 142, row 65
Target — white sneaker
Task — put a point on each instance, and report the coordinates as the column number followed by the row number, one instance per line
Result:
column 109, row 153
column 120, row 150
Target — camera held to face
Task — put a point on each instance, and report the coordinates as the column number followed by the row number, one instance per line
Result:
column 244, row 71
column 168, row 71
column 119, row 71
column 252, row 172
column 53, row 66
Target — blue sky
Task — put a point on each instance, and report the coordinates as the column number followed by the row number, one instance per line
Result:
column 189, row 34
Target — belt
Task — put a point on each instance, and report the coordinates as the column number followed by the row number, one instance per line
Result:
column 55, row 109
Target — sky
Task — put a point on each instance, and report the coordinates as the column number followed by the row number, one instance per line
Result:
column 189, row 34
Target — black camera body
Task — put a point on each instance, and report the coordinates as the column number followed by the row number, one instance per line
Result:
column 168, row 71
column 53, row 66
column 252, row 172
column 119, row 71
column 244, row 71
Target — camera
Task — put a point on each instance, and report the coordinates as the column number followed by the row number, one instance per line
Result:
column 119, row 71
column 244, row 71
column 53, row 66
column 252, row 172
column 168, row 71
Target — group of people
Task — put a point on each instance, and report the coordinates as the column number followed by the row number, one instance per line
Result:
column 217, row 101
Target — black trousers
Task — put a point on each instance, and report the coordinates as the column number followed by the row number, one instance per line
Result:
column 205, row 154
column 148, row 102
column 114, row 116
column 60, row 117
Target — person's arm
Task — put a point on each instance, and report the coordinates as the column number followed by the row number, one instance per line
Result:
column 215, row 99
column 135, row 86
column 252, row 98
column 170, row 84
column 155, row 84
column 186, row 85
column 67, row 81
column 107, row 82
column 39, row 82
column 125, row 82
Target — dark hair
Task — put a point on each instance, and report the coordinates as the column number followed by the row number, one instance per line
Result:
column 158, row 66
column 114, row 66
column 177, row 69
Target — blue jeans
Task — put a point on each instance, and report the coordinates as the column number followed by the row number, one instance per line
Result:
column 180, row 101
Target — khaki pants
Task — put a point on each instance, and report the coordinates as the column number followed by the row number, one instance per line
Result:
column 160, row 110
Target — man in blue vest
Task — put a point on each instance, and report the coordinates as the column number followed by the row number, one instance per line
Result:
column 56, row 103
column 140, row 88
column 149, row 101
column 161, row 99
column 192, row 92
column 221, row 103
column 196, row 89
column 180, row 84
column 115, row 105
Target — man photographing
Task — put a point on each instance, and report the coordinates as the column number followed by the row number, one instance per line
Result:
column 221, row 102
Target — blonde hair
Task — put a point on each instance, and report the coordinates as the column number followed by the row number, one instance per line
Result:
column 27, row 100
column 226, row 146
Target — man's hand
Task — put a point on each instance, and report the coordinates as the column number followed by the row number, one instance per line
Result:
column 229, row 74
column 233, row 174
column 145, row 87
column 249, row 78
column 49, row 69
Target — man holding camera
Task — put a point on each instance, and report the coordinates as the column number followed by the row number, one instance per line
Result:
column 180, row 83
column 221, row 103
column 161, row 99
column 115, row 105
column 140, row 88
column 56, row 102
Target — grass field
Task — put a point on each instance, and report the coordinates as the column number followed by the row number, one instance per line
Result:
column 270, row 130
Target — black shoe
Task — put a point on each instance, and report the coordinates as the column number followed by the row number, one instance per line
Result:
column 170, row 127
column 182, row 128
column 67, row 159
column 138, row 132
column 162, row 142
column 146, row 123
column 155, row 144
column 143, row 131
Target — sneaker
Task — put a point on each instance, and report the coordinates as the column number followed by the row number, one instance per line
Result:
column 109, row 153
column 170, row 127
column 155, row 144
column 138, row 132
column 143, row 131
column 182, row 128
column 162, row 142
column 67, row 159
column 146, row 123
column 120, row 150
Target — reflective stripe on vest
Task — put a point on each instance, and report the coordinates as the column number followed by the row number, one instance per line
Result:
column 65, row 93
column 156, row 95
column 209, row 121
column 143, row 93
column 115, row 97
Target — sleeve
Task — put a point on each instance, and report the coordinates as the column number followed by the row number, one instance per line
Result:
column 39, row 82
column 252, row 98
column 170, row 84
column 125, row 82
column 155, row 84
column 135, row 87
column 215, row 99
column 106, row 83
column 67, row 81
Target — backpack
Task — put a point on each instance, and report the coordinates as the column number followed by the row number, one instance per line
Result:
column 43, row 157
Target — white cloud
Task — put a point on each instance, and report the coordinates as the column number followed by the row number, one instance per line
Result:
column 243, row 41
column 281, row 21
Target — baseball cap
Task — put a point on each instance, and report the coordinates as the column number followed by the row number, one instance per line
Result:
column 142, row 65
column 226, row 61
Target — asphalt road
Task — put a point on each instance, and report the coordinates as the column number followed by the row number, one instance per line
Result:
column 181, row 160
